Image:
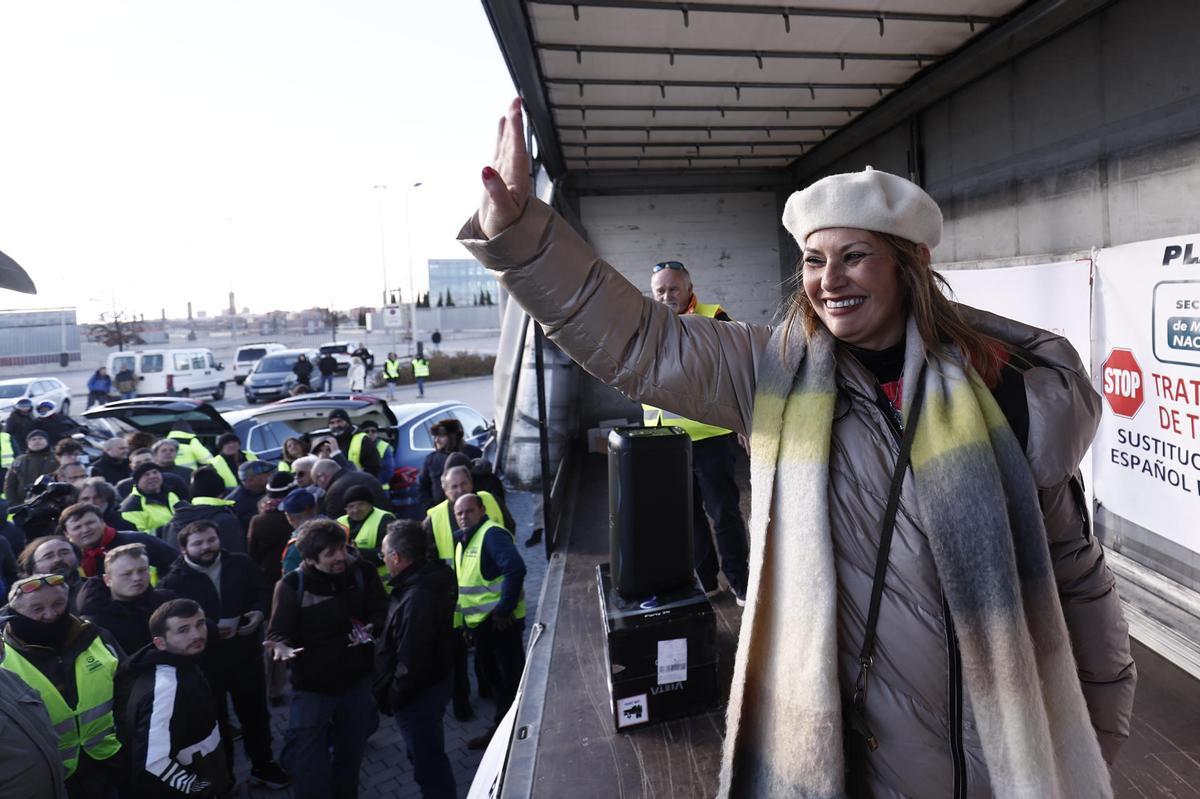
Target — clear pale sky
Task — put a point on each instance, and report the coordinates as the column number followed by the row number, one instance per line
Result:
column 155, row 152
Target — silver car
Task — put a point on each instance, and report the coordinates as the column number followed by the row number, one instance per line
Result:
column 272, row 377
column 35, row 389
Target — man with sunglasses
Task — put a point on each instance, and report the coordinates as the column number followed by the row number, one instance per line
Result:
column 71, row 664
column 715, row 492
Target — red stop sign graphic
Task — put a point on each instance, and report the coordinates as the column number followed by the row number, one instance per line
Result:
column 1123, row 383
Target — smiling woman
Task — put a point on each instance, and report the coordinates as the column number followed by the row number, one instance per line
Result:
column 888, row 414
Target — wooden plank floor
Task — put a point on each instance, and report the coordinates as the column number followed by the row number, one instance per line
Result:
column 579, row 754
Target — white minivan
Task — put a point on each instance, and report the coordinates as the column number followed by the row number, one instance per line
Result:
column 182, row 372
column 249, row 354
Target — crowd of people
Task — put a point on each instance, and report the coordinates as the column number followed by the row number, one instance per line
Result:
column 165, row 583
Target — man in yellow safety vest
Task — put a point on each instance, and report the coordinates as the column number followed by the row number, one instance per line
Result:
column 491, row 599
column 367, row 525
column 71, row 664
column 420, row 368
column 715, row 494
column 391, row 374
column 440, row 525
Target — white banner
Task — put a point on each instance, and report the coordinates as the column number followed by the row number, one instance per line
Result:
column 1146, row 362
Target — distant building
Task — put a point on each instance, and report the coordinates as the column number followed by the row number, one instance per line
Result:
column 464, row 278
column 33, row 337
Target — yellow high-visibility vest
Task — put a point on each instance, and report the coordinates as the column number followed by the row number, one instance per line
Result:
column 478, row 597
column 227, row 474
column 192, row 453
column 370, row 535
column 697, row 431
column 151, row 515
column 89, row 725
column 391, row 369
column 420, row 367
column 443, row 531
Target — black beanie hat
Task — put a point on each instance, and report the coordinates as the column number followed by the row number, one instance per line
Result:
column 148, row 466
column 339, row 413
column 225, row 438
column 358, row 494
column 206, row 482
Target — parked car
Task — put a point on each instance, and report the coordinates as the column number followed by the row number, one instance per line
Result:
column 248, row 355
column 407, row 427
column 36, row 389
column 340, row 350
column 157, row 415
column 172, row 372
column 273, row 378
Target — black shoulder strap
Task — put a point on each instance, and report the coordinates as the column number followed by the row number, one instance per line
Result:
column 866, row 654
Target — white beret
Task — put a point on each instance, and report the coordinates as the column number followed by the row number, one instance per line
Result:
column 867, row 200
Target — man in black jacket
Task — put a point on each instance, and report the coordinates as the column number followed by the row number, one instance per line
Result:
column 253, row 477
column 166, row 715
column 209, row 504
column 233, row 592
column 323, row 622
column 113, row 463
column 121, row 600
column 414, row 657
column 336, row 481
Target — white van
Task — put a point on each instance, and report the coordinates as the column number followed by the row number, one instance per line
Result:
column 249, row 354
column 183, row 372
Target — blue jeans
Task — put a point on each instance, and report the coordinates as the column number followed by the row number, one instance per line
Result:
column 318, row 722
column 420, row 386
column 327, row 382
column 424, row 736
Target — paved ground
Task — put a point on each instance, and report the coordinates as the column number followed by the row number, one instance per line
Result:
column 386, row 773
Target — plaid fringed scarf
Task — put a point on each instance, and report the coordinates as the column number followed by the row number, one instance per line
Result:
column 978, row 506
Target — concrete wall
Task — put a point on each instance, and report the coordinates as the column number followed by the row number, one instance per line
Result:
column 728, row 241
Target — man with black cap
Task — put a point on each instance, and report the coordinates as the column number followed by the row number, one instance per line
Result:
column 229, row 458
column 27, row 468
column 266, row 539
column 252, row 486
column 269, row 530
column 447, row 439
column 209, row 504
column 21, row 421
column 171, row 481
column 354, row 443
column 367, row 525
column 56, row 424
column 71, row 663
column 150, row 506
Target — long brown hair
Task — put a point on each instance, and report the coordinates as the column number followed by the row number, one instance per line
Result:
column 939, row 321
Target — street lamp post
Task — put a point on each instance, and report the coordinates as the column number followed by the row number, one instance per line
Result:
column 412, row 282
column 380, row 188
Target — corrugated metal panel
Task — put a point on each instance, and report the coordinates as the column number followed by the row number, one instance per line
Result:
column 32, row 337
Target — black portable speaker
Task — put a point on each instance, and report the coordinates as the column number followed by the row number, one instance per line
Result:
column 650, row 510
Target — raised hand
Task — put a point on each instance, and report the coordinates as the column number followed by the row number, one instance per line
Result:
column 506, row 183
